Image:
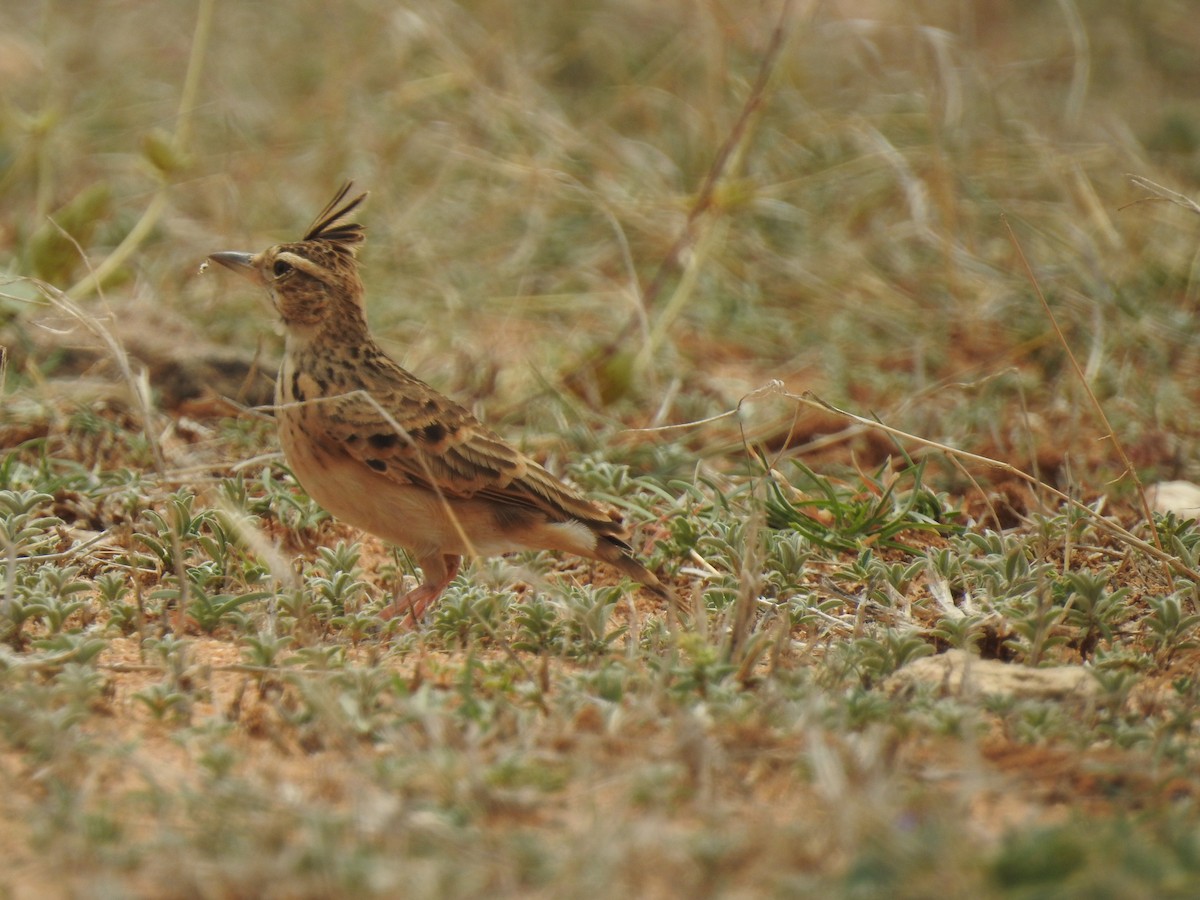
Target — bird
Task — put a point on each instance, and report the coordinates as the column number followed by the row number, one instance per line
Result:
column 383, row 451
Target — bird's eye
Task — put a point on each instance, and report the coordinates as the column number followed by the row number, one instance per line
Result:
column 282, row 268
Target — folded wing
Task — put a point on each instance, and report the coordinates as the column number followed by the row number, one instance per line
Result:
column 404, row 430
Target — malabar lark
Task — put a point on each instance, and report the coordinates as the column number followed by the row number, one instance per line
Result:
column 383, row 451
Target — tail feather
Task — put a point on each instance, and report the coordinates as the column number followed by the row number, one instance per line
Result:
column 618, row 554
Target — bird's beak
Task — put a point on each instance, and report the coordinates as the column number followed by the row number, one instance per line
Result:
column 242, row 263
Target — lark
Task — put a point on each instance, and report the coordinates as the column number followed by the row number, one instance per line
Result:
column 383, row 451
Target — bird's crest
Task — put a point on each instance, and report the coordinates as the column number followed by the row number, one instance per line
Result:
column 329, row 227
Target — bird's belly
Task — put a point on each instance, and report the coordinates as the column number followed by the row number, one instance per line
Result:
column 411, row 516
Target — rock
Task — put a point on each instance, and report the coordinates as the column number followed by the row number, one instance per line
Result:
column 958, row 673
column 1179, row 497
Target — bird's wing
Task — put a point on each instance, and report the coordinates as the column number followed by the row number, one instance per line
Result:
column 403, row 429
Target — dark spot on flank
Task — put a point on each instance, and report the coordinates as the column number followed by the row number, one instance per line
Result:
column 384, row 441
column 377, row 464
column 433, row 433
column 431, row 405
column 297, row 394
column 352, row 439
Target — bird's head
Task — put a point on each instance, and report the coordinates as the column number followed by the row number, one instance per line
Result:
column 313, row 282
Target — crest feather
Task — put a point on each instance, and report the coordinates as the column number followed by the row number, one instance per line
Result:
column 328, row 225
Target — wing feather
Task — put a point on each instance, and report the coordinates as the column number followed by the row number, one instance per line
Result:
column 430, row 440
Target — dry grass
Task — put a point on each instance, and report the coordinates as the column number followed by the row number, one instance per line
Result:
column 634, row 236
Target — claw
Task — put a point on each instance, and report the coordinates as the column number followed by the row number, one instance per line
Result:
column 441, row 571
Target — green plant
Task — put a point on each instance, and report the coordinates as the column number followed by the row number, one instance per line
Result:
column 538, row 628
column 963, row 632
column 210, row 611
column 47, row 594
column 1035, row 621
column 703, row 666
column 24, row 529
column 874, row 658
column 470, row 614
column 1094, row 609
column 848, row 517
column 263, row 649
column 607, row 228
column 165, row 701
column 586, row 613
column 285, row 500
column 177, row 531
column 340, row 592
column 342, row 557
column 1169, row 626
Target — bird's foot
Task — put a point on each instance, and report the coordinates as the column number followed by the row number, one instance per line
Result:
column 412, row 605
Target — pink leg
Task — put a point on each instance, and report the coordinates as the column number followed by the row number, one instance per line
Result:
column 438, row 571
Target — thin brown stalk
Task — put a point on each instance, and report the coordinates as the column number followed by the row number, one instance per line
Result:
column 1170, row 562
column 139, row 390
column 142, row 229
column 1087, row 388
column 726, row 152
column 732, row 149
column 1162, row 193
column 777, row 389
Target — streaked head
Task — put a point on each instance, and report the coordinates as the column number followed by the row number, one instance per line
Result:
column 313, row 280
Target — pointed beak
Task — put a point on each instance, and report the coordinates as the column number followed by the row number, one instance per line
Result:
column 242, row 263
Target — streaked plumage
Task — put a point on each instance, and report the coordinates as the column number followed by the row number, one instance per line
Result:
column 385, row 452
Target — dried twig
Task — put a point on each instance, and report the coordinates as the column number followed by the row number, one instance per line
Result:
column 1087, row 388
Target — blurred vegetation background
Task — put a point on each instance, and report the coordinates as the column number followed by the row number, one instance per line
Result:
column 588, row 219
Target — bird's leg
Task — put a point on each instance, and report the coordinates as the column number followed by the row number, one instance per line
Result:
column 438, row 572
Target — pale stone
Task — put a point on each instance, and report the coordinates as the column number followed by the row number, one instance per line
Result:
column 958, row 673
column 1179, row 497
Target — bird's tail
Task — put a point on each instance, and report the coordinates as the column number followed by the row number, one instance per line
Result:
column 617, row 553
